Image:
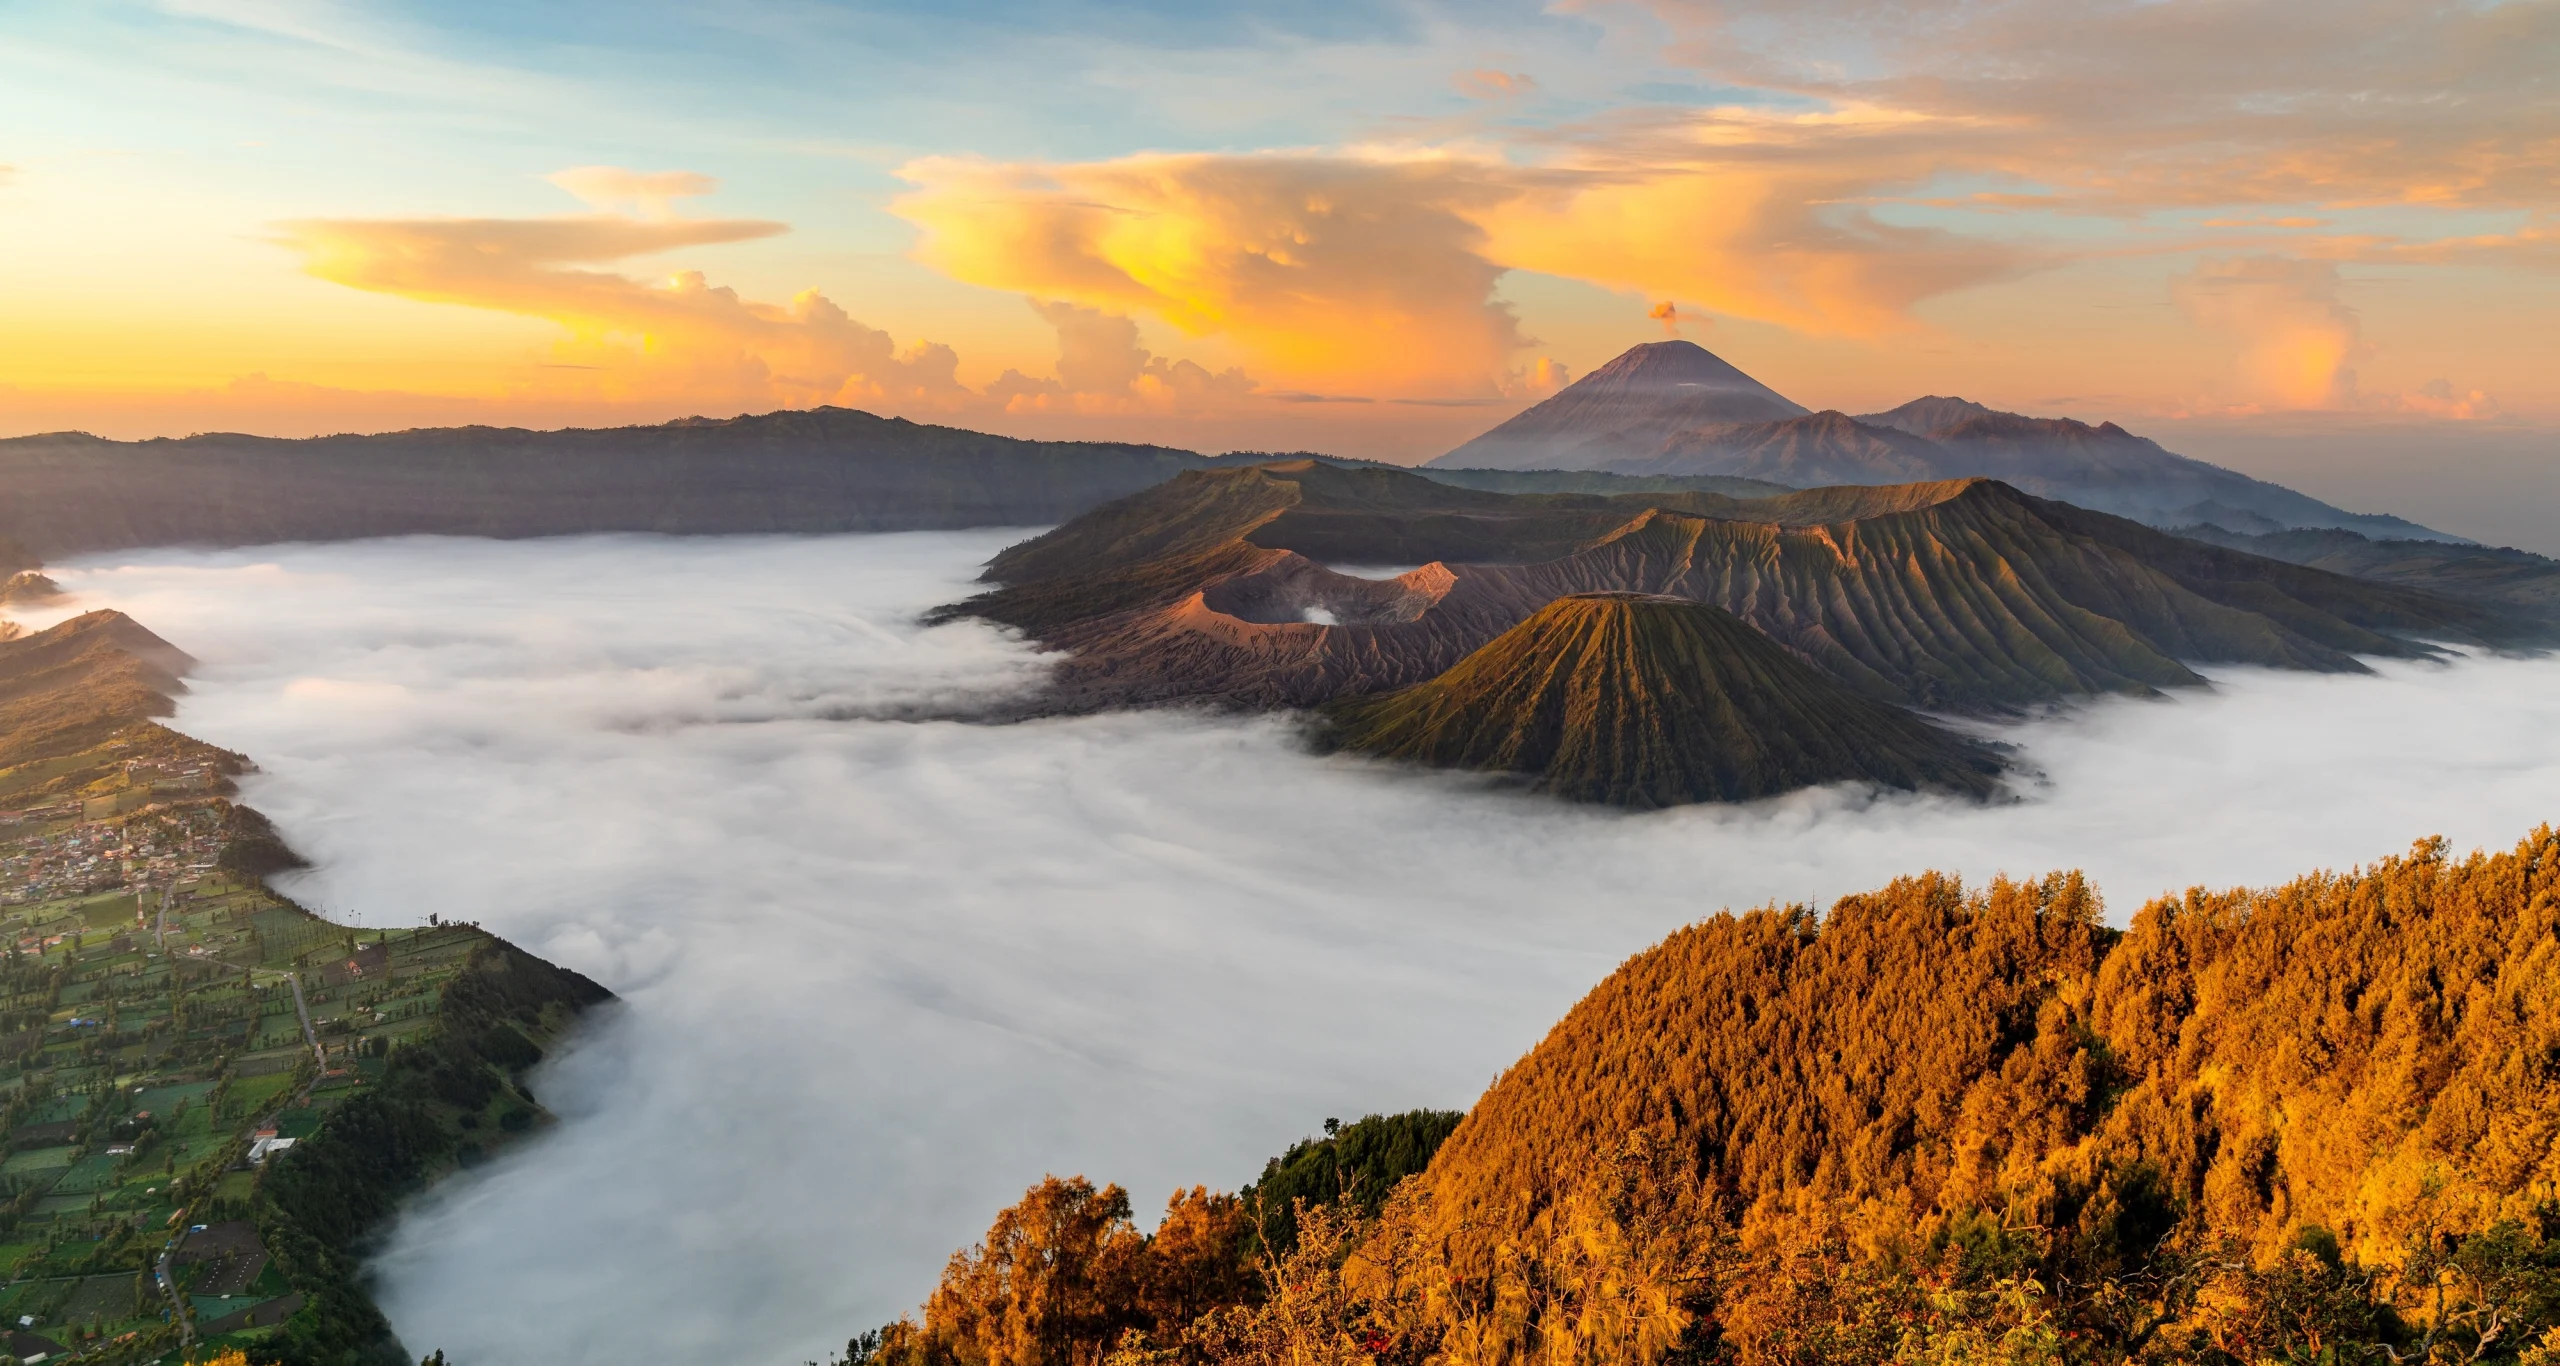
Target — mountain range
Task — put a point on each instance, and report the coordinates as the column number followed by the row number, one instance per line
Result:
column 1675, row 408
column 1959, row 595
column 794, row 472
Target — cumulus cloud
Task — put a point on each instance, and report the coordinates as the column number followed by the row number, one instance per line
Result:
column 2298, row 341
column 881, row 975
column 648, row 194
column 1875, row 157
column 1345, row 268
column 1378, row 269
column 1539, row 378
column 1796, row 204
column 2438, row 398
column 681, row 332
column 1103, row 368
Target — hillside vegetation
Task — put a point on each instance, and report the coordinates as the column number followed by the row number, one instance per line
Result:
column 2313, row 1123
column 1645, row 701
column 68, row 688
column 167, row 1022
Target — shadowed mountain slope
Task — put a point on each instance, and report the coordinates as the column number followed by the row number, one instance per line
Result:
column 2509, row 580
column 1960, row 595
column 1817, row 448
column 814, row 471
column 1640, row 415
column 1641, row 701
column 69, row 687
column 822, row 470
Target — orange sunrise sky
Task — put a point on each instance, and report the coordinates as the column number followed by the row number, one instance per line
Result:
column 2315, row 234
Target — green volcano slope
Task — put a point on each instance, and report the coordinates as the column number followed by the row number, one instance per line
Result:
column 1641, row 701
column 1963, row 595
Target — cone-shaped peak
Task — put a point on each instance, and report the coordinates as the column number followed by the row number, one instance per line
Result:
column 1636, row 700
column 1626, row 408
column 1672, row 365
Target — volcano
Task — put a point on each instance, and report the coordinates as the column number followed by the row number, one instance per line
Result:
column 1636, row 700
column 1625, row 411
column 1673, row 409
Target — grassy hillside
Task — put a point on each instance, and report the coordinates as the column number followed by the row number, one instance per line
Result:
column 1647, row 702
column 2314, row 1123
column 67, row 689
column 162, row 1012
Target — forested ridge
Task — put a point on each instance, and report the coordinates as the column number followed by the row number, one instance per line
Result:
column 2311, row 1123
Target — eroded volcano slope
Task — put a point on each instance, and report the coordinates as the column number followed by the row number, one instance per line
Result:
column 1964, row 595
column 1643, row 701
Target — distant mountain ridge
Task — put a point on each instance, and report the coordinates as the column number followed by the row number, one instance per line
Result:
column 806, row 471
column 801, row 471
column 1630, row 417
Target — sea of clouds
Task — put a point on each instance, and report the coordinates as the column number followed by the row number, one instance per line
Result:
column 878, row 974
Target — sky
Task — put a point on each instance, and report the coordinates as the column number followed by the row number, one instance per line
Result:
column 1371, row 228
column 879, row 975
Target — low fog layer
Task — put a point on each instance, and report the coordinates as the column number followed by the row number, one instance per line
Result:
column 881, row 975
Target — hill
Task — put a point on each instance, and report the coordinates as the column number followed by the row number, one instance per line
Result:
column 69, row 687
column 165, row 1011
column 1673, row 408
column 1962, row 595
column 2240, row 1076
column 1934, row 1124
column 1642, row 701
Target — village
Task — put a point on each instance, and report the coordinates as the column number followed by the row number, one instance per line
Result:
column 168, row 1027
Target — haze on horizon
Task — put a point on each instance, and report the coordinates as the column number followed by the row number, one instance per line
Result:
column 2310, row 235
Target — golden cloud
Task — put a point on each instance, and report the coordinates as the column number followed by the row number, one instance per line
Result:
column 2297, row 340
column 1377, row 272
column 1102, row 368
column 682, row 332
column 1363, row 270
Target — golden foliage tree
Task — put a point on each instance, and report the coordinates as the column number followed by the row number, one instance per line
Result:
column 2313, row 1123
